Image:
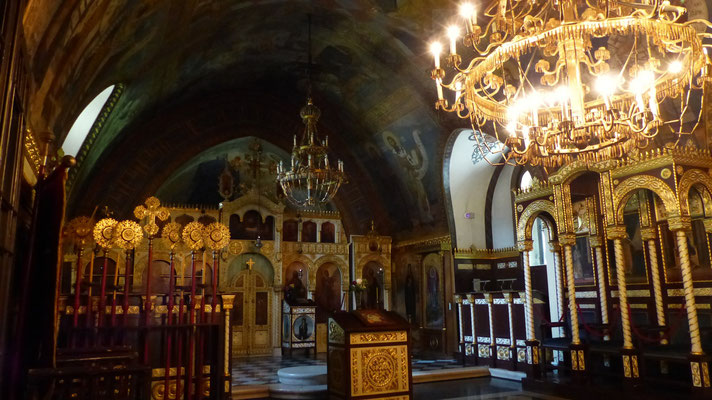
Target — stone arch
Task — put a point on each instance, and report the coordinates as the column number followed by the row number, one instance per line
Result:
column 625, row 189
column 530, row 214
column 703, row 183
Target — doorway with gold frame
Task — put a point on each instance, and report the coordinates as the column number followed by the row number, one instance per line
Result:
column 251, row 318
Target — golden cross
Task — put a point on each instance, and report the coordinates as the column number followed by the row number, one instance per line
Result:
column 250, row 263
column 151, row 212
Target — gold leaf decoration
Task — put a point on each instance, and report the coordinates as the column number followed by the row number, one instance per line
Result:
column 193, row 235
column 127, row 234
column 104, row 232
column 171, row 234
column 79, row 229
column 151, row 212
column 217, row 236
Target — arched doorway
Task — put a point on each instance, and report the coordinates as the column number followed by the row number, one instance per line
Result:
column 250, row 278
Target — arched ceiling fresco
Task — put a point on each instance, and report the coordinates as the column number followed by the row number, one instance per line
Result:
column 200, row 73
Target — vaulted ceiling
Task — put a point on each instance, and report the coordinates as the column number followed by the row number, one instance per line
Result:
column 199, row 73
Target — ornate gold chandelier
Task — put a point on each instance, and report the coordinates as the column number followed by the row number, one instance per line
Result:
column 311, row 180
column 544, row 84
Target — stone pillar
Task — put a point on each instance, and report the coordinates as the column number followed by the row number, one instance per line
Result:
column 533, row 370
column 577, row 349
column 597, row 245
column 649, row 236
column 555, row 249
column 630, row 357
column 698, row 362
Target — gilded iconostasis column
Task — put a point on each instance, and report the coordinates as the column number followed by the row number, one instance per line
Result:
column 567, row 241
column 680, row 228
column 649, row 235
column 597, row 245
column 617, row 234
column 525, row 247
column 555, row 249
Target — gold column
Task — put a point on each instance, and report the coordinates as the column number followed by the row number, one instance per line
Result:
column 649, row 235
column 525, row 246
column 228, row 301
column 555, row 249
column 490, row 312
column 567, row 241
column 617, row 233
column 597, row 244
column 680, row 227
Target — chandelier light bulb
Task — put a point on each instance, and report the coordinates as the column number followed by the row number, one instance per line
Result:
column 675, row 67
column 468, row 11
column 453, row 32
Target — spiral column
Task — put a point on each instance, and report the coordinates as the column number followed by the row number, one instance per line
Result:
column 597, row 245
column 567, row 241
column 525, row 248
column 649, row 235
column 555, row 249
column 689, row 292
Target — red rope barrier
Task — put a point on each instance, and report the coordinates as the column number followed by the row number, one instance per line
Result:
column 595, row 332
column 666, row 332
column 546, row 320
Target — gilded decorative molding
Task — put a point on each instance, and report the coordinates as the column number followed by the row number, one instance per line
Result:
column 568, row 172
column 32, row 151
column 537, row 190
column 486, row 254
column 527, row 217
column 632, row 293
column 646, row 161
column 429, row 242
column 689, row 179
column 378, row 337
column 379, row 370
column 696, row 291
column 336, row 333
column 662, row 189
column 616, row 232
column 586, row 295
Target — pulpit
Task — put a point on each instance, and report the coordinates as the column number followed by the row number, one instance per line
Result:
column 368, row 355
column 298, row 325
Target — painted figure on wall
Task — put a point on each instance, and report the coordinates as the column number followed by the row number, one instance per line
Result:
column 414, row 164
column 410, row 290
column 434, row 315
column 328, row 290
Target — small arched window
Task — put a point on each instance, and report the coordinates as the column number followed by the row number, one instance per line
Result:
column 526, row 180
column 82, row 125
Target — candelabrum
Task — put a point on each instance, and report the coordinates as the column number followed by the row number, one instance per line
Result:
column 556, row 81
column 310, row 180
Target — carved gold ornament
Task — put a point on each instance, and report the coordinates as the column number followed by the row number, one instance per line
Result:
column 665, row 173
column 171, row 234
column 128, row 234
column 380, row 369
column 151, row 212
column 193, row 235
column 235, row 247
column 104, row 232
column 79, row 229
column 216, row 236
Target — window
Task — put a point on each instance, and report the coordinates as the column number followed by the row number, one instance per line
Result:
column 526, row 180
column 82, row 125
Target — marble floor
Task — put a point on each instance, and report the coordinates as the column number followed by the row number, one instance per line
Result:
column 477, row 389
column 263, row 370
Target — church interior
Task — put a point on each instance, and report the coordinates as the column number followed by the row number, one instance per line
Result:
column 367, row 199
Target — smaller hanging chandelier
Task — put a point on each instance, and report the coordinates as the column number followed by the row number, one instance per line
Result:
column 311, row 180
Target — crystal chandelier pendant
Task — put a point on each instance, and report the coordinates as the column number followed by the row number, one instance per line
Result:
column 310, row 180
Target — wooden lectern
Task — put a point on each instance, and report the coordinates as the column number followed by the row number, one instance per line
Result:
column 369, row 356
